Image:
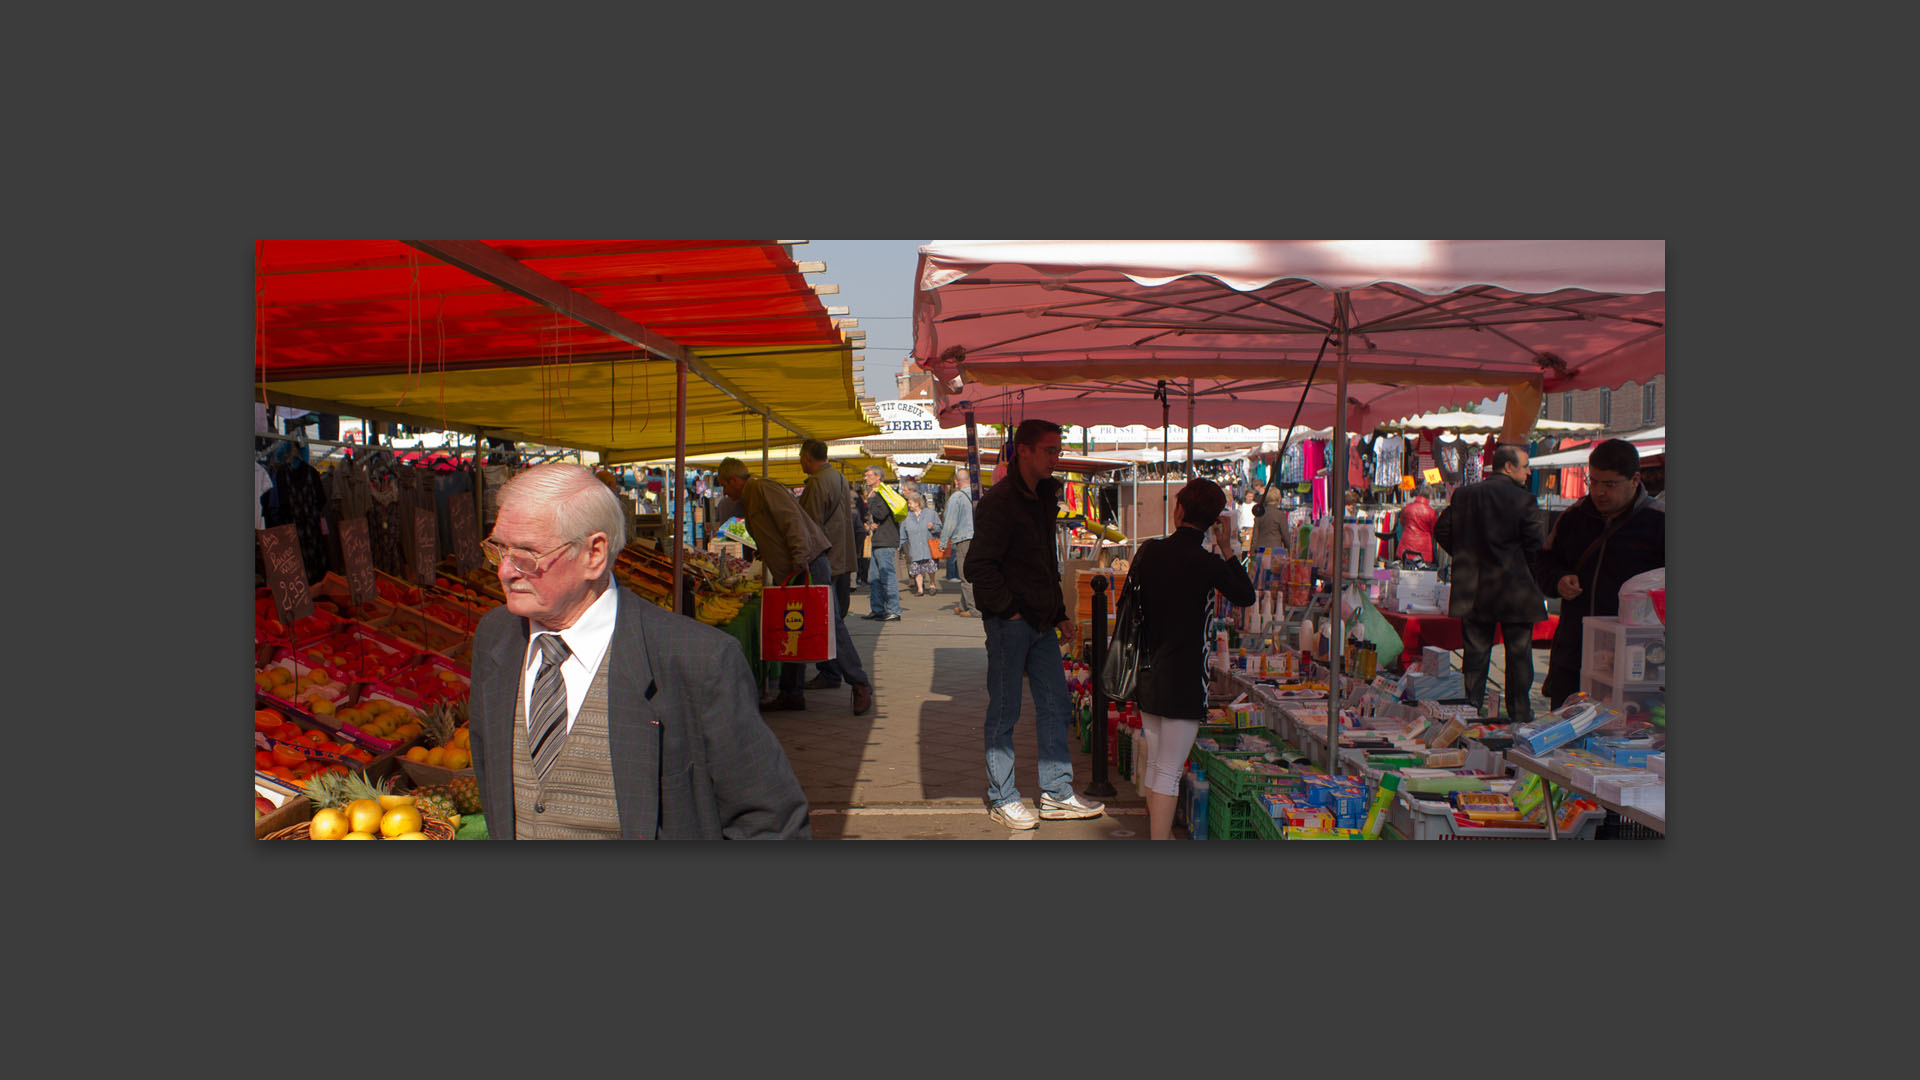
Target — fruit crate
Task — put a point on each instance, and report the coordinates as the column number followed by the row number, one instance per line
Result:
column 430, row 679
column 422, row 631
column 294, row 810
column 425, row 775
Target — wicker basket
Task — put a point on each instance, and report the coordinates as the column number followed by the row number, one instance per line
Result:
column 432, row 826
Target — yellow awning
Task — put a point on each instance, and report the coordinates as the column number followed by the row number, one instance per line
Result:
column 621, row 408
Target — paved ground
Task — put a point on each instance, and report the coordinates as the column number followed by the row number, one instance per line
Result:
column 914, row 767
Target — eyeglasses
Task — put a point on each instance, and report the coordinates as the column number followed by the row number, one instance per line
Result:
column 497, row 553
column 1609, row 485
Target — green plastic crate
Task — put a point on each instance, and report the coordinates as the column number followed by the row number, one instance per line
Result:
column 1231, row 819
column 1265, row 828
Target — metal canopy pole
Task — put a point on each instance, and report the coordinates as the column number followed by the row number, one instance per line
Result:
column 679, row 478
column 765, row 442
column 973, row 462
column 1337, row 481
column 1190, row 471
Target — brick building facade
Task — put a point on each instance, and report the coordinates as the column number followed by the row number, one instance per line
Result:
column 1626, row 408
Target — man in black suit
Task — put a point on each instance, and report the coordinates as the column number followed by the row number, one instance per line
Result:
column 597, row 715
column 1490, row 532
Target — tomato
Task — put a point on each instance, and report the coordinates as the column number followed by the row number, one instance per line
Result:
column 267, row 719
column 262, row 759
column 287, row 755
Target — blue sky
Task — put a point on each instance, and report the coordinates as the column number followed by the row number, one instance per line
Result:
column 876, row 286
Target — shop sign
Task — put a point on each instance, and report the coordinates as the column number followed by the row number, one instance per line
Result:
column 358, row 555
column 286, row 572
column 905, row 417
column 426, row 545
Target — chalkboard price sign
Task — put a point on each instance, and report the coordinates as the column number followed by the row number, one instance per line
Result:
column 426, row 546
column 466, row 534
column 286, row 572
column 358, row 555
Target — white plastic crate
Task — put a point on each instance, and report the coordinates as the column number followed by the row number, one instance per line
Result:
column 1424, row 819
column 1608, row 652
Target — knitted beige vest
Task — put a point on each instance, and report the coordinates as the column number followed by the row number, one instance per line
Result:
column 577, row 796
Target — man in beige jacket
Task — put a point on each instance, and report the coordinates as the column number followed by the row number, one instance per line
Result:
column 791, row 542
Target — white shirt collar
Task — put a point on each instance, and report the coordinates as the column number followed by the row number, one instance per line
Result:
column 586, row 639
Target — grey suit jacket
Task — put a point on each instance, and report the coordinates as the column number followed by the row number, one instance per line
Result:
column 691, row 757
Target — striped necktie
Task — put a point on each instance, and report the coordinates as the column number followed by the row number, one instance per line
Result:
column 548, row 729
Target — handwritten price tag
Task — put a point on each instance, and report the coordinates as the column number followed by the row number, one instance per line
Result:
column 466, row 534
column 358, row 555
column 286, row 572
column 426, row 546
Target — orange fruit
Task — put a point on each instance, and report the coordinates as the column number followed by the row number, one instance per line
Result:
column 328, row 824
column 287, row 755
column 456, row 759
column 364, row 815
column 267, row 719
column 417, row 753
column 359, row 836
column 400, row 819
column 437, row 756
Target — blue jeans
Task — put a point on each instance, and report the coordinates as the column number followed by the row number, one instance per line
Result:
column 1016, row 650
column 846, row 660
column 883, row 583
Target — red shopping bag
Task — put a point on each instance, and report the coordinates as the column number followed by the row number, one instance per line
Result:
column 796, row 623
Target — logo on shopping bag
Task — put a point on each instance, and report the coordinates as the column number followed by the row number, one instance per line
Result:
column 796, row 620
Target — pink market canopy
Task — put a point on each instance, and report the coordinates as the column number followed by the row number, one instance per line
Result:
column 1083, row 331
column 1431, row 323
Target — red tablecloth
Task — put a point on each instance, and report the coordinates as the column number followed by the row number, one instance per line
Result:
column 1443, row 632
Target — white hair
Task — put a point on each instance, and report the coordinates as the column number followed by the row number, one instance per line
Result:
column 733, row 466
column 578, row 504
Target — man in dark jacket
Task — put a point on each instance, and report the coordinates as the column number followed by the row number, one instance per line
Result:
column 1016, row 583
column 883, row 582
column 1490, row 532
column 1614, row 532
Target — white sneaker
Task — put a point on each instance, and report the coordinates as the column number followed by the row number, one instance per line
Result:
column 1073, row 806
column 1014, row 815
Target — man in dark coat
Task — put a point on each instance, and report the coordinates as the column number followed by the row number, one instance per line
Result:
column 1016, row 580
column 1614, row 532
column 597, row 715
column 1490, row 531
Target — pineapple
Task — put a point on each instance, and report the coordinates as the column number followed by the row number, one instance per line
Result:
column 324, row 790
column 439, row 723
column 437, row 800
column 355, row 785
column 466, row 795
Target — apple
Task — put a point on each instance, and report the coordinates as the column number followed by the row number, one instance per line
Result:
column 262, row 806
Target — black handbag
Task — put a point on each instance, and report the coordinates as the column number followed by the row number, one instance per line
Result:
column 1127, row 654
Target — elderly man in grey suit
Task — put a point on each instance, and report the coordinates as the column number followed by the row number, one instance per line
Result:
column 595, row 714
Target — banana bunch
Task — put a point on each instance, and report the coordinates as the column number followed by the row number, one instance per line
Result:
column 717, row 609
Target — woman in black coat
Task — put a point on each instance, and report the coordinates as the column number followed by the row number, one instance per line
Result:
column 1177, row 576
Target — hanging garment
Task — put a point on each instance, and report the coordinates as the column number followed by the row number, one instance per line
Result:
column 1388, row 454
column 1320, row 501
column 383, row 519
column 303, row 503
column 1450, row 460
column 1573, row 481
column 1293, row 467
column 262, row 488
column 1423, row 453
column 1476, row 462
column 1357, row 458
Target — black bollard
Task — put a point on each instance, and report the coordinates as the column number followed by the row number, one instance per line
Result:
column 1098, row 786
